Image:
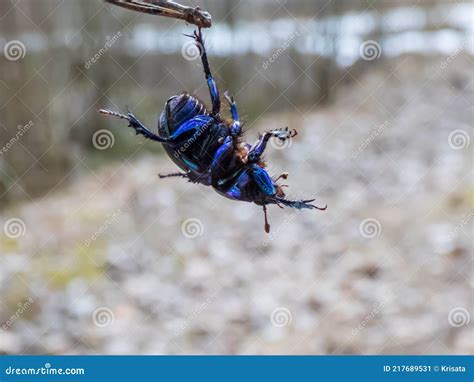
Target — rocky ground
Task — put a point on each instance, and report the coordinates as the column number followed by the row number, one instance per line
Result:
column 121, row 262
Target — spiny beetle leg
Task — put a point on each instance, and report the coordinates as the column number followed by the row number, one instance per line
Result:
column 173, row 174
column 257, row 150
column 299, row 204
column 136, row 124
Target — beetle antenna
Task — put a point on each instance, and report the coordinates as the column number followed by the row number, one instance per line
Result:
column 267, row 225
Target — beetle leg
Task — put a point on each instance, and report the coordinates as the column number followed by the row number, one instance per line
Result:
column 236, row 127
column 232, row 105
column 262, row 179
column 258, row 149
column 221, row 157
column 173, row 174
column 298, row 204
column 141, row 129
column 136, row 124
column 211, row 83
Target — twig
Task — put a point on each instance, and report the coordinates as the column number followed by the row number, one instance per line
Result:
column 192, row 15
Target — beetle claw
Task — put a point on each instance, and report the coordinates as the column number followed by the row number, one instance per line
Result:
column 228, row 97
column 284, row 134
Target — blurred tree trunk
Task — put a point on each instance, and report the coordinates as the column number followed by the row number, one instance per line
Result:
column 326, row 69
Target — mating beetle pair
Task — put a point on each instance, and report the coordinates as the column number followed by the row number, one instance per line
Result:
column 209, row 149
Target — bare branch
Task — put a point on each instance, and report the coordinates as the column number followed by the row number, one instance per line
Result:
column 192, row 15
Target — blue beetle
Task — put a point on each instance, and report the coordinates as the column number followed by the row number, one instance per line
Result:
column 209, row 149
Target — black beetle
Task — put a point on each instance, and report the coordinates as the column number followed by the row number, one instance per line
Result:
column 210, row 150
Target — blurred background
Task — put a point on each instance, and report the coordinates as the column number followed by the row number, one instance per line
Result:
column 99, row 256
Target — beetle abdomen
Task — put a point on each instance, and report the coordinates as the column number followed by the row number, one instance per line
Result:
column 178, row 109
column 195, row 155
